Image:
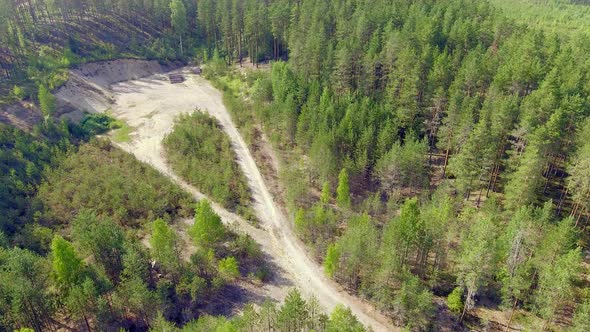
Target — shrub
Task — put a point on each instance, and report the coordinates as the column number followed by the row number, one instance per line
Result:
column 455, row 300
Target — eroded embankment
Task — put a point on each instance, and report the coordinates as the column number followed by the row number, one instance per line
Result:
column 87, row 90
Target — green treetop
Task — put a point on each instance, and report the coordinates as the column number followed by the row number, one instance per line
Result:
column 343, row 190
column 207, row 229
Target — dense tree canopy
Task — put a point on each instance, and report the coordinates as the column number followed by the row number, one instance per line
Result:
column 452, row 139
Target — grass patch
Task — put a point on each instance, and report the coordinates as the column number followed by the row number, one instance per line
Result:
column 122, row 134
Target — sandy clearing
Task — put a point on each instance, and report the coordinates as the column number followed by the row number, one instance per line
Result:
column 150, row 105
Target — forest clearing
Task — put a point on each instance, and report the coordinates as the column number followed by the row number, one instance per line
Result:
column 163, row 102
column 294, row 165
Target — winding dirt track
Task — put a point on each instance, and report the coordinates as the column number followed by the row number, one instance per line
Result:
column 150, row 106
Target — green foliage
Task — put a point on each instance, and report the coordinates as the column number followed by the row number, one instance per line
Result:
column 135, row 262
column 478, row 255
column 200, row 152
column 475, row 158
column 331, row 260
column 326, row 194
column 373, row 87
column 556, row 283
column 121, row 133
column 18, row 92
column 293, row 313
column 581, row 320
column 24, row 285
column 98, row 123
column 525, row 182
column 80, row 299
column 399, row 237
column 46, row 101
column 113, row 183
column 413, row 305
column 178, row 16
column 164, row 246
column 24, row 156
column 228, row 268
column 102, row 239
column 216, row 66
column 162, row 325
column 343, row 190
column 357, row 248
column 133, row 295
column 455, row 300
column 316, row 225
column 342, row 320
column 404, row 165
column 67, row 266
column 178, row 19
column 207, row 230
column 562, row 16
column 578, row 181
column 301, row 221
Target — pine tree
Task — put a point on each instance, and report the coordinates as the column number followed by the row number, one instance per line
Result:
column 525, row 182
column 477, row 256
column 301, row 225
column 164, row 246
column 179, row 20
column 26, row 292
column 293, row 313
column 228, row 269
column 104, row 240
column 556, row 283
column 455, row 301
column 326, row 194
column 413, row 304
column 474, row 161
column 578, row 182
column 343, row 190
column 331, row 261
column 67, row 266
column 81, row 301
column 358, row 248
column 207, row 229
column 343, row 320
column 581, row 321
column 46, row 101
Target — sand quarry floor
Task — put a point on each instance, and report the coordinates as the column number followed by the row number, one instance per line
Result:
column 150, row 106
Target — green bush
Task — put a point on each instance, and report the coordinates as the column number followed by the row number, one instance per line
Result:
column 455, row 300
column 228, row 268
column 18, row 92
column 98, row 123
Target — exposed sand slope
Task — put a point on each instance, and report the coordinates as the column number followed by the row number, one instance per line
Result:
column 87, row 90
column 150, row 105
column 22, row 115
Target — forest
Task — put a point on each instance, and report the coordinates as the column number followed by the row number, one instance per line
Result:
column 434, row 160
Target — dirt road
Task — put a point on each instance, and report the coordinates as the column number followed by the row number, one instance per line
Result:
column 150, row 106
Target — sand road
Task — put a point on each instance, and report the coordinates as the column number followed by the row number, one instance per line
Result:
column 150, row 105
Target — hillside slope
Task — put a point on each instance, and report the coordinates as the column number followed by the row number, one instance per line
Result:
column 150, row 105
column 85, row 91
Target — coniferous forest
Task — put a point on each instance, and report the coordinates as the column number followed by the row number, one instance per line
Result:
column 434, row 160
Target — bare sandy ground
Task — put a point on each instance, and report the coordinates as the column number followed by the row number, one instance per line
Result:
column 150, row 105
